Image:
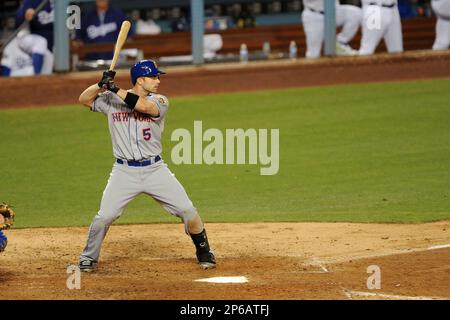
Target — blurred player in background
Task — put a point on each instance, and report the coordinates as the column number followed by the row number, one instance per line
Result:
column 101, row 25
column 6, row 221
column 30, row 53
column 3, row 241
column 442, row 10
column 313, row 16
column 41, row 23
column 27, row 55
column 381, row 20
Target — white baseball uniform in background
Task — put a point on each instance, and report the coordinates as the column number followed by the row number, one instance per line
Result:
column 347, row 16
column 381, row 20
column 442, row 10
column 18, row 55
column 18, row 62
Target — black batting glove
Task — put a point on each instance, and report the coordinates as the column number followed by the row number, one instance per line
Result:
column 111, row 86
column 108, row 76
column 109, row 73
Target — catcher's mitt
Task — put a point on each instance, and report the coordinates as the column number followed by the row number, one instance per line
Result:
column 6, row 216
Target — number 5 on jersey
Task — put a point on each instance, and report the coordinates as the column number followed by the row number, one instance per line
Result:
column 146, row 133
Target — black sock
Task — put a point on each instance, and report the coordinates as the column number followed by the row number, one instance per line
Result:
column 200, row 241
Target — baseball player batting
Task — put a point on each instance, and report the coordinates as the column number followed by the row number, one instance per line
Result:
column 136, row 123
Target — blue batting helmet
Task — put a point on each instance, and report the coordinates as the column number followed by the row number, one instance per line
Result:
column 144, row 68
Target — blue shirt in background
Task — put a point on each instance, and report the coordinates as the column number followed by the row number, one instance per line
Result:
column 100, row 28
column 42, row 24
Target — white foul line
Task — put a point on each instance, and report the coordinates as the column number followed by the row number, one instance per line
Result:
column 442, row 246
column 317, row 262
column 387, row 254
column 349, row 294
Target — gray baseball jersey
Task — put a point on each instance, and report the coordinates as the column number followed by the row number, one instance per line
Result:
column 134, row 135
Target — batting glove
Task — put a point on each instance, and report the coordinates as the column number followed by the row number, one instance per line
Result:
column 108, row 76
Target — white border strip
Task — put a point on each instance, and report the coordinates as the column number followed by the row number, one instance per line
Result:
column 350, row 293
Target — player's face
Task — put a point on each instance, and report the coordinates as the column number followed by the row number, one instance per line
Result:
column 151, row 84
column 102, row 5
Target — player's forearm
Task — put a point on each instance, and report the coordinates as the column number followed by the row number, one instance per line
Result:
column 88, row 96
column 142, row 104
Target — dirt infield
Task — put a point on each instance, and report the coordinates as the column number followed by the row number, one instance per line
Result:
column 280, row 261
column 210, row 79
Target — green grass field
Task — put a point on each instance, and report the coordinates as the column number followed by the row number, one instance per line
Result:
column 361, row 153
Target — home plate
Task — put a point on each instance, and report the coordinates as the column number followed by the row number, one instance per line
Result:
column 224, row 280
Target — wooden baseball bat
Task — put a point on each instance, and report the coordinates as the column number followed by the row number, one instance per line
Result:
column 124, row 29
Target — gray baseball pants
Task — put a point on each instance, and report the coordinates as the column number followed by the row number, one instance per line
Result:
column 126, row 183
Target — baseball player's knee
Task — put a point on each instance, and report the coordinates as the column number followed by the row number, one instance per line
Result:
column 187, row 211
column 189, row 215
column 40, row 46
column 33, row 43
column 350, row 13
column 193, row 224
column 105, row 220
column 356, row 18
column 357, row 12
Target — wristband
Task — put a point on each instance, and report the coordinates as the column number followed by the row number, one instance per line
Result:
column 131, row 99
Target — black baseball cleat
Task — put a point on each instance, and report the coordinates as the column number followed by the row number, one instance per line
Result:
column 87, row 265
column 206, row 260
column 205, row 256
